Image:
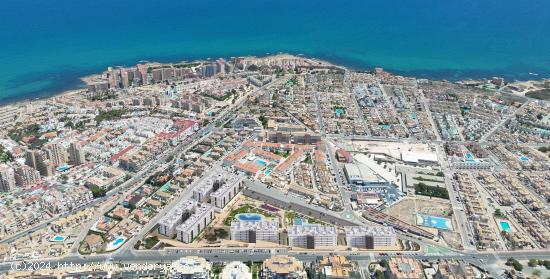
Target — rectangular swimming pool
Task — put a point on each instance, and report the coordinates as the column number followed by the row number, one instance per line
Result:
column 434, row 222
column 505, row 226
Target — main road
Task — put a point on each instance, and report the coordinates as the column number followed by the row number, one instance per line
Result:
column 489, row 261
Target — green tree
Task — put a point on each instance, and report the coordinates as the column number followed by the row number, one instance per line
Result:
column 515, row 264
column 533, row 262
column 384, row 263
column 379, row 274
column 98, row 192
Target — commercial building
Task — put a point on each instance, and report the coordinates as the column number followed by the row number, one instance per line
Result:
column 168, row 223
column 343, row 156
column 362, row 179
column 7, row 178
column 253, row 231
column 370, row 237
column 312, row 236
column 282, row 266
column 191, row 267
column 195, row 223
column 419, row 158
column 236, row 270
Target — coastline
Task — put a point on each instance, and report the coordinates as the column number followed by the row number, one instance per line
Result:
column 528, row 83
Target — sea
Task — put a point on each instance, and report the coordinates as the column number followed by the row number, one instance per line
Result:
column 47, row 45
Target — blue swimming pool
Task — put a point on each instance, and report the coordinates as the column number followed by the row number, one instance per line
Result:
column 298, row 221
column 441, row 223
column 115, row 244
column 261, row 162
column 523, row 158
column 58, row 238
column 63, row 168
column 469, row 156
column 505, row 226
column 249, row 217
column 118, row 241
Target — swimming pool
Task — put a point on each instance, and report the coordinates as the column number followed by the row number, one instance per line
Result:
column 267, row 172
column 249, row 217
column 505, row 226
column 63, row 168
column 469, row 156
column 115, row 244
column 261, row 162
column 523, row 158
column 339, row 111
column 165, row 187
column 298, row 221
column 434, row 222
column 58, row 238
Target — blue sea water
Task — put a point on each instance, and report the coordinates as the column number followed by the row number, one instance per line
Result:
column 45, row 46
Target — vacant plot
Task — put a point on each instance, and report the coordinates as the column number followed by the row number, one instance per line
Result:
column 407, row 208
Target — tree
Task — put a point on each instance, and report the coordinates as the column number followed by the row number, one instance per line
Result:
column 379, row 274
column 150, row 242
column 515, row 264
column 98, row 192
column 384, row 263
column 536, row 273
column 533, row 262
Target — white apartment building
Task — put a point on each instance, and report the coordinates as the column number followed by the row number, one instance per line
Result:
column 253, row 231
column 226, row 193
column 312, row 236
column 370, row 237
column 196, row 223
column 222, row 184
column 168, row 223
column 202, row 191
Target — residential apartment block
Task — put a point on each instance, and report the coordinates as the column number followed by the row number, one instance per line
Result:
column 253, row 231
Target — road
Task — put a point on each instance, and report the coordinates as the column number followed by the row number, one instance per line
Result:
column 504, row 121
column 457, row 207
column 260, row 254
